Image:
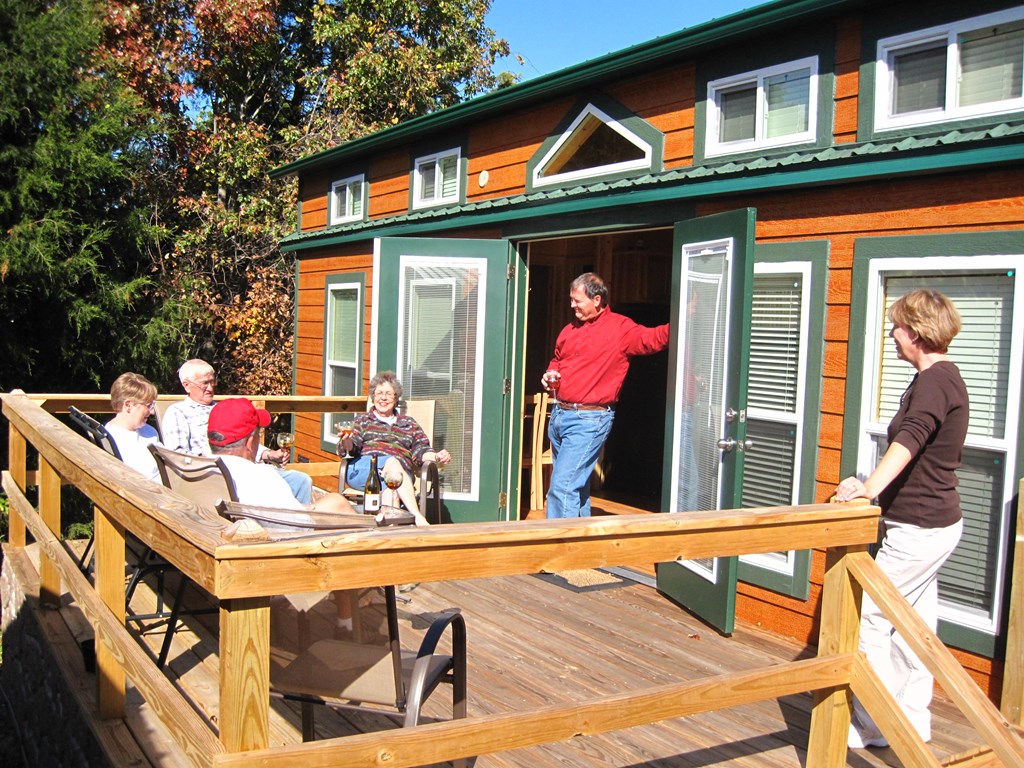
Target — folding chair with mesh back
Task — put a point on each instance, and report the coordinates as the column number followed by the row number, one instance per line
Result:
column 203, row 480
column 383, row 678
column 98, row 434
column 147, row 561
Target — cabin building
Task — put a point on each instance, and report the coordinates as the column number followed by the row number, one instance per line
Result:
column 767, row 182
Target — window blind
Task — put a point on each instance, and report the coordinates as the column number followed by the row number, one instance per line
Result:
column 919, row 80
column 775, row 343
column 788, row 100
column 991, row 63
column 738, row 110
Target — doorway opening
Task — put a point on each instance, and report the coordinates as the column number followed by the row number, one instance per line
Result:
column 637, row 266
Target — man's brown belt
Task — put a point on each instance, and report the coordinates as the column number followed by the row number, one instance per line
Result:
column 586, row 406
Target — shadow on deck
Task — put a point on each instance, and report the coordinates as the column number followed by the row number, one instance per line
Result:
column 530, row 647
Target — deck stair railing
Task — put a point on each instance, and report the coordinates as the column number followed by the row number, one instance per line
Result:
column 245, row 575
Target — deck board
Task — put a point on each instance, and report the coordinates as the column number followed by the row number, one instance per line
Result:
column 536, row 641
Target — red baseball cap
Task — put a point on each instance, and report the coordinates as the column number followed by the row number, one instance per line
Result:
column 234, row 419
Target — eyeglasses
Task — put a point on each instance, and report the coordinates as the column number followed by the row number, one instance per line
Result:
column 383, row 395
column 204, row 384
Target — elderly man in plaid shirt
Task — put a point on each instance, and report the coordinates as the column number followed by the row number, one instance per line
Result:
column 184, row 426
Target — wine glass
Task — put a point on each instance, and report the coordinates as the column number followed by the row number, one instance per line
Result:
column 285, row 440
column 344, row 430
column 392, row 480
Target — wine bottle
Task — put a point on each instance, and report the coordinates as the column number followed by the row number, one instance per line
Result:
column 371, row 497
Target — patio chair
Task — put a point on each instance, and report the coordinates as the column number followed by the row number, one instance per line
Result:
column 147, row 561
column 383, row 678
column 98, row 435
column 428, row 485
column 204, row 480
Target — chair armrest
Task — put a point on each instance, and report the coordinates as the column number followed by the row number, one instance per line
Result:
column 317, row 521
column 451, row 618
column 430, row 480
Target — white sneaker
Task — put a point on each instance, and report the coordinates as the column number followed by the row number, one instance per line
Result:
column 856, row 741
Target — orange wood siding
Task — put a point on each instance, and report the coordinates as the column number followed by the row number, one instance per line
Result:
column 847, row 79
column 666, row 100
column 389, row 184
column 503, row 148
column 967, row 202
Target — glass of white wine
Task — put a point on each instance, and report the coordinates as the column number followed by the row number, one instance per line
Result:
column 285, row 440
column 344, row 430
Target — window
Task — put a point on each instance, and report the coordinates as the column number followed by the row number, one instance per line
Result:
column 988, row 352
column 783, row 398
column 593, row 145
column 343, row 342
column 967, row 69
column 347, row 200
column 436, row 179
column 771, row 107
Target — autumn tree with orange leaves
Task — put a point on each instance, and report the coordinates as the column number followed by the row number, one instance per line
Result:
column 238, row 87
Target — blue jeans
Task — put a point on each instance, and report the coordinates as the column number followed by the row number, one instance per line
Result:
column 576, row 440
column 300, row 483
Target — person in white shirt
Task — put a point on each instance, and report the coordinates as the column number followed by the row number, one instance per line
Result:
column 133, row 400
column 233, row 432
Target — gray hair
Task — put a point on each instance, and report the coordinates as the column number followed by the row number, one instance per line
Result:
column 192, row 368
column 387, row 377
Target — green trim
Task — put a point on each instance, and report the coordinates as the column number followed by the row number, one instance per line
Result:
column 902, row 20
column 439, row 146
column 867, row 249
column 351, row 171
column 494, row 294
column 726, row 32
column 815, row 253
column 341, row 278
column 797, row 45
column 664, row 191
column 636, row 125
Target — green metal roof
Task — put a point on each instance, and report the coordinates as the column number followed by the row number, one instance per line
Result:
column 727, row 30
column 957, row 149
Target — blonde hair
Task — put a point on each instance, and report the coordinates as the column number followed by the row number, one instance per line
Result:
column 930, row 315
column 131, row 386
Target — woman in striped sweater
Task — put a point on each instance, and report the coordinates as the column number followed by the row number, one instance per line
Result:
column 399, row 443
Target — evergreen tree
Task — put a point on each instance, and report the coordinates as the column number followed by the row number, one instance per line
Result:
column 76, row 296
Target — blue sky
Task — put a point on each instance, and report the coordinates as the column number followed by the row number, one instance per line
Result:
column 553, row 34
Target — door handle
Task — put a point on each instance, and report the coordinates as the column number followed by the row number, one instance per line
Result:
column 728, row 444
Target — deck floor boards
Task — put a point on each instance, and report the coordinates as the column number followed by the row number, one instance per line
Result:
column 538, row 640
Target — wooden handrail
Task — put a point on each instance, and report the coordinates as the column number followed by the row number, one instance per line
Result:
column 245, row 575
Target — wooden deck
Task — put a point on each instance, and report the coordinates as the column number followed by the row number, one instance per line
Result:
column 541, row 640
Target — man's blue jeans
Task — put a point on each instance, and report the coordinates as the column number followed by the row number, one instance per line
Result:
column 576, row 440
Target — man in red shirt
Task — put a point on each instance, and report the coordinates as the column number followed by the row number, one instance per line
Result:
column 591, row 361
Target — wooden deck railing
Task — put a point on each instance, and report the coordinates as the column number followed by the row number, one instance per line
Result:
column 245, row 576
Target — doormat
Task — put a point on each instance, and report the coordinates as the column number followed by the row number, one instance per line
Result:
column 585, row 580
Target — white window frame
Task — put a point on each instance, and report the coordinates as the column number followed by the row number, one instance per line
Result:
column 785, row 562
column 643, row 163
column 870, row 428
column 418, row 201
column 757, row 78
column 331, row 364
column 351, row 214
column 890, row 47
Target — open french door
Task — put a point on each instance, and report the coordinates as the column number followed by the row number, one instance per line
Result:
column 705, row 436
column 444, row 322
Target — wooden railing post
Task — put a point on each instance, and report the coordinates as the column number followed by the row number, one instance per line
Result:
column 49, row 511
column 840, row 631
column 17, row 462
column 110, row 678
column 1012, row 705
column 245, row 673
